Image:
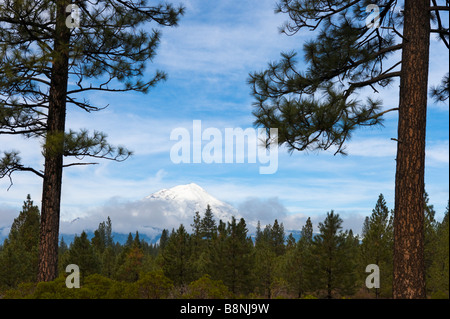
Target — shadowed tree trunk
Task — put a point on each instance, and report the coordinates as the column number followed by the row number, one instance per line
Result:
column 409, row 269
column 53, row 150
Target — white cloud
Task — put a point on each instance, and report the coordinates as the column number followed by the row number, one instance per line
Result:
column 7, row 215
column 437, row 153
column 104, row 186
column 126, row 216
column 220, row 46
column 144, row 216
column 264, row 210
column 372, row 147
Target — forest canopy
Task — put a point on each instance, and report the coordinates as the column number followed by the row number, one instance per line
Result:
column 217, row 259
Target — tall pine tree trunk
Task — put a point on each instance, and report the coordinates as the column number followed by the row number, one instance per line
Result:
column 409, row 270
column 54, row 145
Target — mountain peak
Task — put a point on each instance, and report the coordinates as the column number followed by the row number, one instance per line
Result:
column 190, row 198
column 189, row 191
column 192, row 188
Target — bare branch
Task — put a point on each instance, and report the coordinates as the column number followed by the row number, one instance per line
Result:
column 79, row 164
column 375, row 79
column 439, row 8
column 384, row 112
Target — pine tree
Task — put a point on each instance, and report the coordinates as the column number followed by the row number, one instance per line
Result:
column 204, row 230
column 296, row 261
column 319, row 108
column 265, row 261
column 350, row 266
column 377, row 243
column 307, row 231
column 231, row 256
column 62, row 247
column 11, row 265
column 278, row 238
column 269, row 246
column 198, row 247
column 329, row 266
column 365, row 227
column 19, row 255
column 40, row 55
column 258, row 233
column 25, row 228
column 196, row 225
column 81, row 253
column 208, row 225
column 163, row 239
column 176, row 258
column 239, row 251
column 137, row 241
column 109, row 241
column 108, row 260
column 130, row 240
column 99, row 239
column 102, row 242
column 217, row 257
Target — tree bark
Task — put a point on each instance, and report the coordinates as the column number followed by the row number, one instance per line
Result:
column 409, row 269
column 53, row 150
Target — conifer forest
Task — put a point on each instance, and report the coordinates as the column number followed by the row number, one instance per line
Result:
column 215, row 260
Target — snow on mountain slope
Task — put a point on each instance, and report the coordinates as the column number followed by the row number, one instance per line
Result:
column 184, row 200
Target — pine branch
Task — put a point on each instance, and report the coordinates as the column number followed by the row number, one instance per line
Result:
column 300, row 16
column 13, row 131
column 85, row 105
column 441, row 31
column 10, row 163
column 81, row 145
column 18, row 21
column 441, row 93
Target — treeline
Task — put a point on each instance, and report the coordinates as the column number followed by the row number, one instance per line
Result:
column 221, row 260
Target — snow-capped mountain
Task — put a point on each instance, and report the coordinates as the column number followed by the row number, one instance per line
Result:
column 166, row 208
column 184, row 200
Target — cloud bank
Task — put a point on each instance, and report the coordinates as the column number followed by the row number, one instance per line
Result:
column 148, row 217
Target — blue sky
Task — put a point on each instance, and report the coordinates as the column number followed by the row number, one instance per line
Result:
column 208, row 59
